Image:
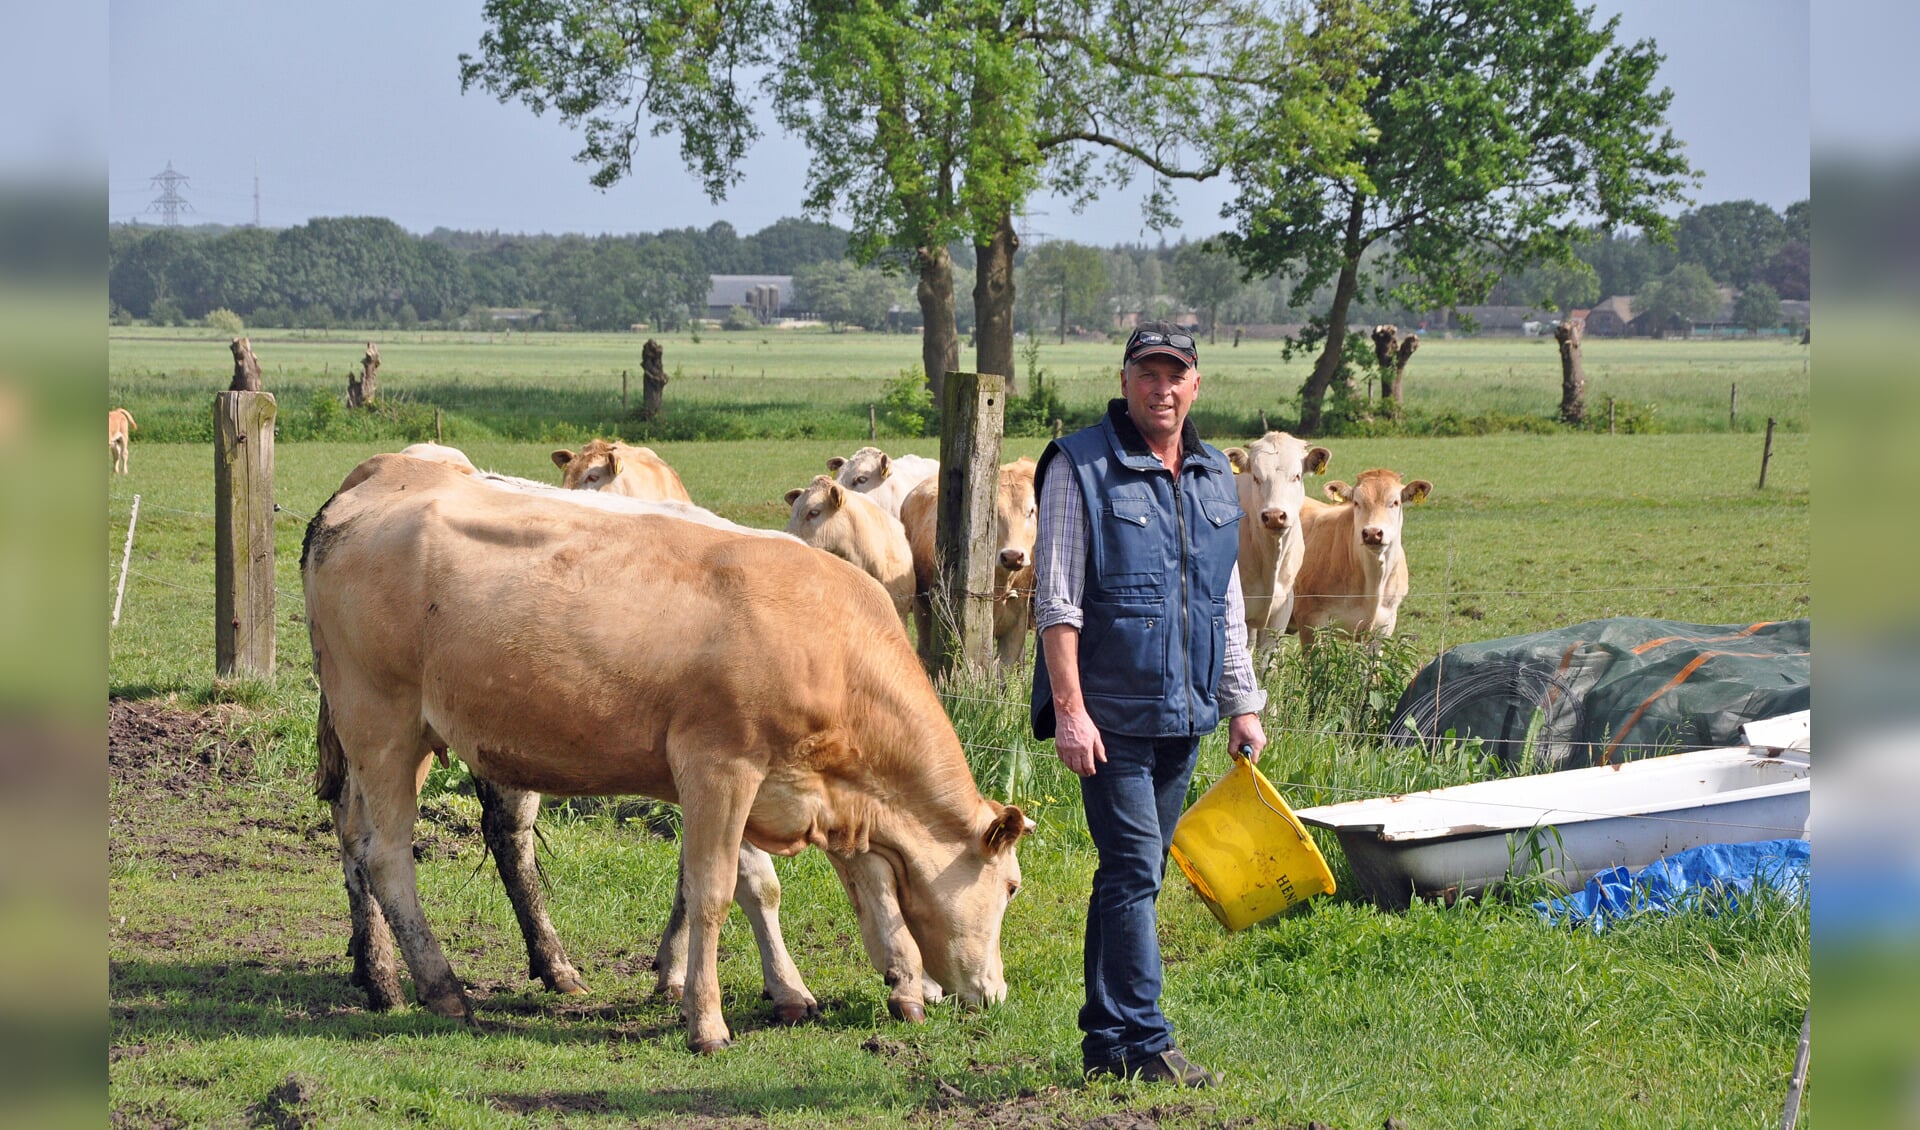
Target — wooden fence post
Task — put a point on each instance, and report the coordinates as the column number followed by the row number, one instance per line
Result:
column 972, row 415
column 873, row 424
column 243, row 533
column 1766, row 455
column 1733, row 405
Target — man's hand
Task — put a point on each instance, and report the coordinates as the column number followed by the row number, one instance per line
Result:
column 1077, row 740
column 1244, row 731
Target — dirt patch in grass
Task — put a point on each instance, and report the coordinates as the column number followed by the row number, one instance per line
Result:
column 155, row 747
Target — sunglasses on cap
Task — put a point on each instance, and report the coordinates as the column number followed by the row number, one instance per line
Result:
column 1144, row 342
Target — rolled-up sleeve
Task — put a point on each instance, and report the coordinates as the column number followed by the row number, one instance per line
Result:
column 1239, row 692
column 1060, row 552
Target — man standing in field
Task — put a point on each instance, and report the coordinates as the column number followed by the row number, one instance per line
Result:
column 1143, row 649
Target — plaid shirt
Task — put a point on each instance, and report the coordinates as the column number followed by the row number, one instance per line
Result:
column 1060, row 568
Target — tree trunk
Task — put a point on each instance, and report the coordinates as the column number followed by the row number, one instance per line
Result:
column 1407, row 345
column 1063, row 313
column 653, row 376
column 1385, row 337
column 1573, row 374
column 939, row 341
column 1332, row 352
column 360, row 389
column 993, row 303
column 1213, row 325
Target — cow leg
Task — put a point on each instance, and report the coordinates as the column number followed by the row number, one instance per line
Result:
column 757, row 890
column 714, row 821
column 670, row 964
column 883, row 931
column 388, row 799
column 506, row 820
column 376, row 968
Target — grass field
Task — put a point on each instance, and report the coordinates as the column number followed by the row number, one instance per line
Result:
column 229, row 1002
column 801, row 384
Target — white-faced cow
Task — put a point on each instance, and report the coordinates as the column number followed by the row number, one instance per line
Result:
column 1270, row 475
column 763, row 686
column 1014, row 531
column 1354, row 574
column 853, row 528
column 882, row 477
column 619, row 468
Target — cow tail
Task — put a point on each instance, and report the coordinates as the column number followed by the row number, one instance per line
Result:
column 330, row 774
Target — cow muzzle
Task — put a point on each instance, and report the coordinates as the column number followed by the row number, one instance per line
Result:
column 1276, row 520
column 1373, row 536
column 1013, row 559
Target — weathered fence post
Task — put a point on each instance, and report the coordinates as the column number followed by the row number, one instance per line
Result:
column 623, row 392
column 653, row 379
column 1609, row 415
column 972, row 415
column 1766, row 455
column 1733, row 405
column 873, row 424
column 243, row 533
column 436, row 424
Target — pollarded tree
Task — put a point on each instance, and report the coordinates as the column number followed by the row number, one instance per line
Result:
column 1497, row 128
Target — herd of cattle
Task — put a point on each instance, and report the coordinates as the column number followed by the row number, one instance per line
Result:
column 610, row 637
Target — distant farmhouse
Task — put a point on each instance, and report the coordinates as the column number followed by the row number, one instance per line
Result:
column 768, row 297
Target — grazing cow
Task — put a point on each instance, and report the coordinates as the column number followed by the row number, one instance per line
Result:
column 1014, row 531
column 852, row 527
column 507, row 822
column 1269, row 474
column 618, row 468
column 881, row 477
column 580, row 650
column 1354, row 572
column 120, row 429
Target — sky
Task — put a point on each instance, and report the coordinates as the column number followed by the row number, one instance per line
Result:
column 354, row 108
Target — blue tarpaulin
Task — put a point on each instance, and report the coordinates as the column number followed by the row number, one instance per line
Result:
column 1676, row 882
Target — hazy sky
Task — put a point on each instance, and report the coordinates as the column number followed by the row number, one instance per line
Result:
column 354, row 108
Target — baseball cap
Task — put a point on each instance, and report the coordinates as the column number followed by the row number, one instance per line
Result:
column 1159, row 337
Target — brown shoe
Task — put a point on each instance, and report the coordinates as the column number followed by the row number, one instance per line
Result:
column 1170, row 1066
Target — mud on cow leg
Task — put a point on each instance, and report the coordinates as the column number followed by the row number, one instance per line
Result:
column 378, row 827
column 376, row 967
column 507, row 821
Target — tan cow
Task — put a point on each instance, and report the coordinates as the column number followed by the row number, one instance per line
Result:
column 1354, row 573
column 619, row 468
column 1014, row 531
column 120, row 429
column 855, row 529
column 507, row 819
column 1269, row 474
column 577, row 650
column 881, row 477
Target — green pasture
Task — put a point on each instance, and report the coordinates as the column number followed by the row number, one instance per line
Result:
column 797, row 384
column 227, row 925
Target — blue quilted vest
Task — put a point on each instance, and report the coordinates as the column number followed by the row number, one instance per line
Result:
column 1159, row 559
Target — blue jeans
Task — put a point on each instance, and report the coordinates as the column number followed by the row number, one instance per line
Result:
column 1132, row 803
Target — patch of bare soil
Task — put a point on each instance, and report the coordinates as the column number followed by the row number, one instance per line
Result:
column 175, row 751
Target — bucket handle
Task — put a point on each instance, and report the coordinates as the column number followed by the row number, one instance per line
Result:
column 1244, row 753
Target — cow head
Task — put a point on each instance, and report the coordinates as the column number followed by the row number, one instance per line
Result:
column 1015, row 519
column 594, row 467
column 1269, row 474
column 814, row 505
column 954, row 906
column 863, row 471
column 1377, row 498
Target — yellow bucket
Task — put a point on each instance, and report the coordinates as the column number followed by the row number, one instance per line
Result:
column 1245, row 851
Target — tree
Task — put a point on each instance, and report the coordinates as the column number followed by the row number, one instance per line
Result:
column 1561, row 285
column 1790, row 271
column 1681, row 297
column 845, row 294
column 1208, row 278
column 1732, row 240
column 1757, row 308
column 1069, row 279
column 1493, row 124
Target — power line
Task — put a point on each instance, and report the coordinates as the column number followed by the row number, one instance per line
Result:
column 169, row 203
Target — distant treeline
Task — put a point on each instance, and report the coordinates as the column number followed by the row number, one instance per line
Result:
column 370, row 272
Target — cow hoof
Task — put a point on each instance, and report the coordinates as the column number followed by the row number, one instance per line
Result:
column 568, row 986
column 912, row 1012
column 673, row 992
column 796, row 1012
column 710, row 1047
column 450, row 1003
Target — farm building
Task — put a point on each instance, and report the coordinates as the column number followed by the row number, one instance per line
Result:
column 768, row 296
column 1504, row 321
column 1611, row 318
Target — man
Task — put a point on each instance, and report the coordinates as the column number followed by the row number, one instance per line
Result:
column 1143, row 649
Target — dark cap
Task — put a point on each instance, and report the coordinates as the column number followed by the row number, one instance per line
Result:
column 1161, row 337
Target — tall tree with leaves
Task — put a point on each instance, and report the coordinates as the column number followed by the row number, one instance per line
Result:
column 1071, row 279
column 1207, row 278
column 1495, row 126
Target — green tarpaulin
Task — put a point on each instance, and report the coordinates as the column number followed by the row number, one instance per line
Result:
column 1610, row 690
